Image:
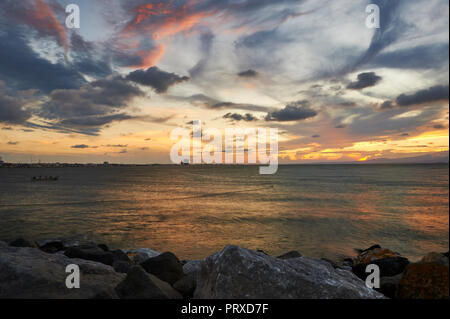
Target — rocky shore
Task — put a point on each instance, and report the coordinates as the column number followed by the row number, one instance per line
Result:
column 38, row 270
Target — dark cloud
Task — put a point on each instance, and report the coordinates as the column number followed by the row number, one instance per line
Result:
column 80, row 146
column 420, row 57
column 340, row 126
column 94, row 121
column 391, row 28
column 365, row 80
column 248, row 74
column 202, row 100
column 439, row 126
column 117, row 145
column 13, row 143
column 11, row 110
column 296, row 111
column 153, row 77
column 99, row 98
column 387, row 105
column 23, row 68
column 238, row 117
column 315, row 136
column 432, row 94
column 88, row 59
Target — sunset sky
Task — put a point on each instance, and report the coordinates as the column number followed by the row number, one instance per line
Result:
column 114, row 89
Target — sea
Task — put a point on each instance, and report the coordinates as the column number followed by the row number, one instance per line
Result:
column 194, row 211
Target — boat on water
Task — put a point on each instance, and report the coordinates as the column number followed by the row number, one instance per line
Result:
column 44, row 178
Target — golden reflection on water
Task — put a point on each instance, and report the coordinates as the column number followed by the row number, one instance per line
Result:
column 321, row 211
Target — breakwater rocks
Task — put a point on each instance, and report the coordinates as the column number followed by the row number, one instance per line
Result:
column 38, row 270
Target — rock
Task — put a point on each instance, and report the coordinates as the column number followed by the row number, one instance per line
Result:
column 290, row 255
column 435, row 258
column 94, row 254
column 119, row 255
column 140, row 285
column 192, row 267
column 166, row 267
column 140, row 255
column 186, row 285
column 21, row 242
column 122, row 266
column 425, row 280
column 240, row 273
column 33, row 274
column 332, row 263
column 360, row 251
column 446, row 254
column 389, row 285
column 388, row 267
column 103, row 247
column 51, row 246
column 374, row 253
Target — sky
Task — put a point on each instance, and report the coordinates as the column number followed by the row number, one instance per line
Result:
column 114, row 89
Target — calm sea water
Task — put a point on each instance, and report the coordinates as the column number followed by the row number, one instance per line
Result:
column 319, row 210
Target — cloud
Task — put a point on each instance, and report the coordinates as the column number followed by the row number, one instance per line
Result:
column 12, row 143
column 391, row 30
column 23, row 68
column 40, row 18
column 117, row 145
column 248, row 74
column 296, row 111
column 432, row 94
column 99, row 98
column 387, row 105
column 153, row 77
column 418, row 57
column 80, row 146
column 364, row 80
column 11, row 110
column 238, row 117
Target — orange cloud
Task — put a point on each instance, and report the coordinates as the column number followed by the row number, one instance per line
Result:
column 161, row 20
column 42, row 18
column 151, row 58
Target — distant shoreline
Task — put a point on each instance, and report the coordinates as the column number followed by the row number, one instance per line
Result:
column 75, row 165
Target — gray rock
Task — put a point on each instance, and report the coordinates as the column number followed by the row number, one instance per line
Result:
column 50, row 246
column 140, row 285
column 192, row 267
column 166, row 267
column 90, row 253
column 140, row 255
column 122, row 266
column 290, row 255
column 22, row 242
column 186, row 285
column 389, row 285
column 31, row 273
column 240, row 273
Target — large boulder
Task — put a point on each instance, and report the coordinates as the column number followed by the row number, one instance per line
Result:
column 389, row 262
column 186, row 285
column 241, row 273
column 31, row 273
column 166, row 267
column 140, row 285
column 424, row 280
column 290, row 255
column 91, row 253
column 388, row 267
column 437, row 258
column 22, row 242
